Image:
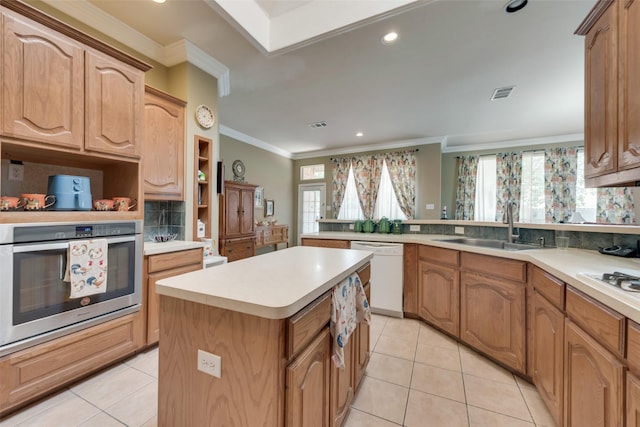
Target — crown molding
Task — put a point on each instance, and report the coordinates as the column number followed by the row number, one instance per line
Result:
column 170, row 55
column 557, row 139
column 372, row 147
column 232, row 133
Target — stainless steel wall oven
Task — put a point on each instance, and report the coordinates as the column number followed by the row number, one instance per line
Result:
column 35, row 300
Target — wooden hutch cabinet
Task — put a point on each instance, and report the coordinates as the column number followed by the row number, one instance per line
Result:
column 237, row 228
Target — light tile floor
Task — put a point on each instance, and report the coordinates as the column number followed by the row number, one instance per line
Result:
column 416, row 377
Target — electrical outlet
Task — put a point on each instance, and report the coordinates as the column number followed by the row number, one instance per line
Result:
column 350, row 226
column 16, row 172
column 458, row 230
column 430, row 206
column 414, row 227
column 209, row 363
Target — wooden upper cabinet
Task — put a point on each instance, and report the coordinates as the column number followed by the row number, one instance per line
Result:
column 43, row 83
column 601, row 96
column 115, row 99
column 612, row 92
column 164, row 145
column 629, row 85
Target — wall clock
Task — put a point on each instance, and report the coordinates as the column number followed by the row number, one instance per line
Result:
column 204, row 116
column 238, row 170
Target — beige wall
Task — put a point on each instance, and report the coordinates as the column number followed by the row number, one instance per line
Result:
column 265, row 169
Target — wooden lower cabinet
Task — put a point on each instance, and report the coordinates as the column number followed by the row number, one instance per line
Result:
column 36, row 371
column 362, row 341
column 492, row 318
column 410, row 279
column 593, row 382
column 162, row 266
column 547, row 354
column 439, row 296
column 307, row 385
column 633, row 400
column 342, row 387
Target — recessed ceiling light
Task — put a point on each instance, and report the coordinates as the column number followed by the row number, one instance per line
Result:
column 159, row 1
column 390, row 38
column 359, row 134
column 515, row 5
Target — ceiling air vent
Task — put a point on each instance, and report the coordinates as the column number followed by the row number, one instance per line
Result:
column 318, row 125
column 502, row 92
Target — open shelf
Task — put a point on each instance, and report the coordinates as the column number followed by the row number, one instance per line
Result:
column 202, row 189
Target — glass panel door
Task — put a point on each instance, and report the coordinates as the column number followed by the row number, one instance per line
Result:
column 311, row 207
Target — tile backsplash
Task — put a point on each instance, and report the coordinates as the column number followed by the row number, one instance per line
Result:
column 164, row 217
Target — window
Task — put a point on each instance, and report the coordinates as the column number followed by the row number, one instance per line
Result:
column 485, row 204
column 386, row 203
column 532, row 194
column 311, row 172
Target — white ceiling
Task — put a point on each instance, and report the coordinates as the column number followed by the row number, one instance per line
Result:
column 434, row 84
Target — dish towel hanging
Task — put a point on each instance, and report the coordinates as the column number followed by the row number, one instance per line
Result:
column 87, row 267
column 349, row 306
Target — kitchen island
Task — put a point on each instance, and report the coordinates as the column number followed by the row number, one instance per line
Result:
column 267, row 318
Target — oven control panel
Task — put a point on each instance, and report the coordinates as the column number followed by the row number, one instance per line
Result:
column 52, row 232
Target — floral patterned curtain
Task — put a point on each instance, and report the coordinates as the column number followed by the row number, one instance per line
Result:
column 466, row 189
column 560, row 166
column 402, row 170
column 508, row 184
column 340, row 173
column 615, row 206
column 362, row 172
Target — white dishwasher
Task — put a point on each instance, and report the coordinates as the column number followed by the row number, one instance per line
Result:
column 386, row 276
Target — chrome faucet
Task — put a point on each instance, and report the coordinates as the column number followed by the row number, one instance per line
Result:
column 511, row 237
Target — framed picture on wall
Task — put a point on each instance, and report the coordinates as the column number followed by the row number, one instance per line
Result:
column 258, row 198
column 268, row 207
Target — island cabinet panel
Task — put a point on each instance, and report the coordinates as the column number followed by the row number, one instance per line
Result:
column 593, row 382
column 36, row 371
column 547, row 343
column 439, row 296
column 308, row 391
column 114, row 107
column 164, row 138
column 251, row 389
column 43, row 83
column 492, row 318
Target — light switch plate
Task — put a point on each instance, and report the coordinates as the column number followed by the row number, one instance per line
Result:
column 16, row 172
column 458, row 230
column 414, row 227
column 430, row 206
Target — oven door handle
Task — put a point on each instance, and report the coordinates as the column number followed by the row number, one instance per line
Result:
column 64, row 245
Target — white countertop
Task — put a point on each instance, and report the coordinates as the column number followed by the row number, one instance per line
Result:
column 568, row 265
column 275, row 285
column 154, row 248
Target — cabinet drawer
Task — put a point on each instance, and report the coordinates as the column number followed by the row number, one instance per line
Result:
column 551, row 287
column 439, row 255
column 602, row 323
column 174, row 259
column 327, row 243
column 237, row 249
column 365, row 274
column 495, row 266
column 633, row 346
column 305, row 325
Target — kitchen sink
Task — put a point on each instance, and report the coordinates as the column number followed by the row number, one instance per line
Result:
column 492, row 243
